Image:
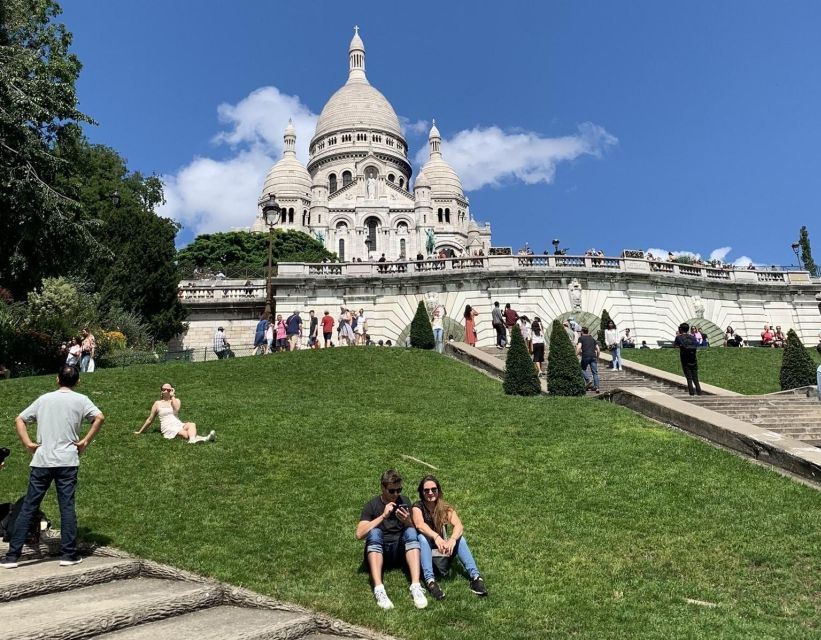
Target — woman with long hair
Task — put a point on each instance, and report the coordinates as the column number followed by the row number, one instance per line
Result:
column 168, row 408
column 611, row 339
column 432, row 516
column 470, row 325
column 537, row 340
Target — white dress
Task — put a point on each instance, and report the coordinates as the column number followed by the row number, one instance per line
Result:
column 170, row 424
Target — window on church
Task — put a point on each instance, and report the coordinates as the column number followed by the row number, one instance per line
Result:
column 290, row 215
column 347, row 178
column 332, row 183
column 402, row 182
column 439, row 213
column 447, row 215
column 391, row 177
column 402, row 249
column 341, row 251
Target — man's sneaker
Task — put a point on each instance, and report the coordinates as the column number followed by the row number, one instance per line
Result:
column 8, row 563
column 419, row 599
column 435, row 590
column 477, row 586
column 70, row 563
column 211, row 436
column 589, row 384
column 382, row 599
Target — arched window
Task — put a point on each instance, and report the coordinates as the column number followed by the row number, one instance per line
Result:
column 439, row 213
column 284, row 215
column 341, row 251
column 402, row 182
column 304, row 217
column 391, row 177
column 447, row 215
column 402, row 249
column 332, row 183
column 341, row 226
column 347, row 178
column 402, row 227
column 370, row 241
column 291, row 214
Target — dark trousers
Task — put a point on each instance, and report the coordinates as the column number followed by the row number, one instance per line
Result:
column 501, row 335
column 691, row 373
column 65, row 481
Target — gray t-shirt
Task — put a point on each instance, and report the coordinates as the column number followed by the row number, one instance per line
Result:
column 58, row 415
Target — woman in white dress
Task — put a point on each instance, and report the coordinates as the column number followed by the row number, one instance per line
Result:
column 168, row 408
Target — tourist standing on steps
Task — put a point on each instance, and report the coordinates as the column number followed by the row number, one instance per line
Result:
column 498, row 322
column 313, row 330
column 293, row 329
column 432, row 516
column 524, row 327
column 611, row 339
column 327, row 328
column 687, row 348
column 537, row 339
column 588, row 350
column 390, row 539
column 168, row 408
column 511, row 318
column 470, row 325
column 437, row 325
column 56, row 458
column 281, row 334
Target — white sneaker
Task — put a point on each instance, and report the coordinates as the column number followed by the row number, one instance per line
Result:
column 419, row 599
column 382, row 599
column 211, row 436
column 70, row 563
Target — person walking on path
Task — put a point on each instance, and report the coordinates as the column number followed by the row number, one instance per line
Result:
column 168, row 408
column 293, row 329
column 511, row 318
column 327, row 328
column 470, row 325
column 431, row 517
column 390, row 538
column 588, row 350
column 259, row 335
column 56, row 458
column 437, row 324
column 498, row 322
column 688, row 349
column 313, row 330
column 538, row 343
column 611, row 339
column 220, row 343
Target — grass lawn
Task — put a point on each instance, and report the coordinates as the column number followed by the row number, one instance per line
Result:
column 586, row 520
column 750, row 371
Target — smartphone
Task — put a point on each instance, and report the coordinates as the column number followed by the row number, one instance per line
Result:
column 402, row 505
column 4, row 453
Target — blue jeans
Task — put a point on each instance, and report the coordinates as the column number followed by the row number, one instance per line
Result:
column 615, row 352
column 438, row 337
column 594, row 368
column 462, row 551
column 84, row 360
column 65, row 481
column 393, row 553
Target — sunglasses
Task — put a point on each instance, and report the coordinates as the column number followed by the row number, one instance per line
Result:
column 433, row 490
column 394, row 492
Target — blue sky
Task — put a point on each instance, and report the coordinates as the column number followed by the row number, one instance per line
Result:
column 685, row 126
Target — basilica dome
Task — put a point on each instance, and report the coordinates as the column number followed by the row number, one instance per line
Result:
column 443, row 180
column 288, row 177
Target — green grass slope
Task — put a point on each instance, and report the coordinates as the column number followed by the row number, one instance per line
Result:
column 750, row 371
column 586, row 520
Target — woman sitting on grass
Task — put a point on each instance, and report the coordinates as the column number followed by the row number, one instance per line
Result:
column 168, row 408
column 431, row 516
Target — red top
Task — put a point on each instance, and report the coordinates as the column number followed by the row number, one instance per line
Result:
column 767, row 336
column 511, row 317
column 327, row 324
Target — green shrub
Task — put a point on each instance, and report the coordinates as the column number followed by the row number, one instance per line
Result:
column 605, row 320
column 797, row 367
column 564, row 375
column 421, row 331
column 521, row 378
column 125, row 358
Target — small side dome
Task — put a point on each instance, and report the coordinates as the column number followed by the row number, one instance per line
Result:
column 288, row 177
column 444, row 183
column 421, row 181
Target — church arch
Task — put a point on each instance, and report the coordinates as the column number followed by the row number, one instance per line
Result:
column 401, row 182
column 347, row 178
column 403, row 249
column 291, row 215
column 584, row 318
column 332, row 183
column 341, row 250
column 372, row 224
column 391, row 178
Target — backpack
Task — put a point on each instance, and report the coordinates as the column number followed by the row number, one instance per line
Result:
column 8, row 517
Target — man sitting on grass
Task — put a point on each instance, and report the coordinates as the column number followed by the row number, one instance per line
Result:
column 390, row 538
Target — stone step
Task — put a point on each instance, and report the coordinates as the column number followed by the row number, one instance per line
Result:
column 89, row 611
column 37, row 577
column 223, row 622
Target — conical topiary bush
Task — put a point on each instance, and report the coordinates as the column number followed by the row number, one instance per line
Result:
column 521, row 378
column 421, row 331
column 797, row 367
column 564, row 375
column 605, row 320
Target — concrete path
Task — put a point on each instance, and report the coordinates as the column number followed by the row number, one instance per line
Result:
column 115, row 596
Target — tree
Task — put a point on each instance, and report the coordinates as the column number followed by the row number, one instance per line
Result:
column 797, row 367
column 605, row 321
column 421, row 331
column 243, row 250
column 806, row 252
column 564, row 375
column 521, row 378
column 41, row 229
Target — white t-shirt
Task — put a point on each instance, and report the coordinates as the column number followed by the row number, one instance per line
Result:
column 537, row 339
column 525, row 329
column 611, row 337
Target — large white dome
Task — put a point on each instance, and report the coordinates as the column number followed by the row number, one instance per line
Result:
column 357, row 105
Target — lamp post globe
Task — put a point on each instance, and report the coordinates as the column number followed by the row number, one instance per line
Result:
column 270, row 212
column 795, row 247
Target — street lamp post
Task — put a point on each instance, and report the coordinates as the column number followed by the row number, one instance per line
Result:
column 270, row 212
column 795, row 247
column 555, row 244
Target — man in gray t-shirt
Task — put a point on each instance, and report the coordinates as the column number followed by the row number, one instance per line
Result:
column 56, row 458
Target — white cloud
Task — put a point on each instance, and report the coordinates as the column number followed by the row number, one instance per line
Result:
column 490, row 156
column 209, row 194
column 417, row 128
column 720, row 253
column 743, row 261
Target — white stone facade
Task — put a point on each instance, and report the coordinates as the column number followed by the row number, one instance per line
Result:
column 355, row 193
column 650, row 303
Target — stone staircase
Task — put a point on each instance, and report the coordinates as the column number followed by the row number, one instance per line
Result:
column 114, row 596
